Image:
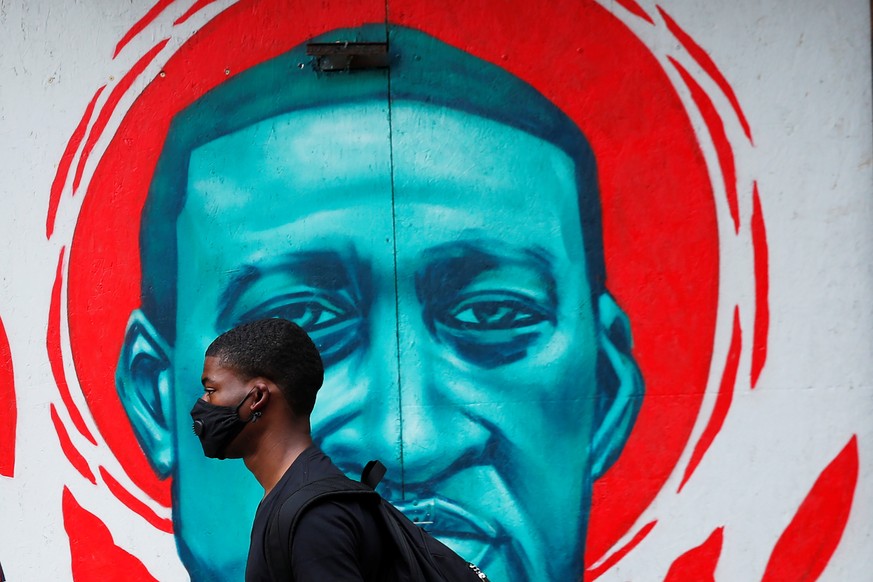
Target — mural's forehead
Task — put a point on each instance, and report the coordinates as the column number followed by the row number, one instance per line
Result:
column 325, row 158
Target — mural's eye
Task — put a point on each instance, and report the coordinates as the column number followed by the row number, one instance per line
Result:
column 330, row 319
column 492, row 311
column 310, row 315
column 492, row 328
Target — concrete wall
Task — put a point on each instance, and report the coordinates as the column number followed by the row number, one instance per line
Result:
column 658, row 370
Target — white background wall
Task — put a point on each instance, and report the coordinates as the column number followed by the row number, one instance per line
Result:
column 802, row 72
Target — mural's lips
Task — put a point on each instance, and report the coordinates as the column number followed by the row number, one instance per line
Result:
column 468, row 534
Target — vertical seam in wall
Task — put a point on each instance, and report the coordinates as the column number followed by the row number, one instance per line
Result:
column 394, row 256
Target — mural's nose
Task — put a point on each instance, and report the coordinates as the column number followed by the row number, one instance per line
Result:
column 363, row 421
column 440, row 433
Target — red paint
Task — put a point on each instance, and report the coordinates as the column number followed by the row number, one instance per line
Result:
column 108, row 107
column 195, row 8
column 635, row 9
column 698, row 564
column 722, row 401
column 141, row 24
column 706, row 63
column 594, row 573
column 8, row 407
column 135, row 504
column 55, row 356
column 66, row 162
column 719, row 139
column 609, row 83
column 70, row 451
column 93, row 553
column 807, row 544
column 762, row 288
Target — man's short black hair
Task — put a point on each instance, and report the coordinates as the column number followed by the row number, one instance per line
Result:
column 278, row 350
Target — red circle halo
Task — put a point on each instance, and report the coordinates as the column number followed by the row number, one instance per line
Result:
column 659, row 220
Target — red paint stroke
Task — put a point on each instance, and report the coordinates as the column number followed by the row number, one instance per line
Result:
column 635, row 9
column 109, row 107
column 698, row 564
column 70, row 451
column 762, row 288
column 807, row 544
column 594, row 573
column 66, row 162
column 134, row 504
column 141, row 24
column 93, row 552
column 56, row 358
column 196, row 7
column 719, row 139
column 704, row 60
column 8, row 407
column 722, row 401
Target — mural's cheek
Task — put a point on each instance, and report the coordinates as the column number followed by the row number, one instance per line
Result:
column 510, row 525
column 473, row 438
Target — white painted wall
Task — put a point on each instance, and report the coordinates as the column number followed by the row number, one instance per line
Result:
column 802, row 72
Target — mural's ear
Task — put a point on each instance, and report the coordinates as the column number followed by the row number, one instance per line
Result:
column 144, row 382
column 620, row 386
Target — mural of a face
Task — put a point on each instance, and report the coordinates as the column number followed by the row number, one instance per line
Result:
column 434, row 250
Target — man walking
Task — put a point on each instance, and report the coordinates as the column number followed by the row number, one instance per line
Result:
column 260, row 380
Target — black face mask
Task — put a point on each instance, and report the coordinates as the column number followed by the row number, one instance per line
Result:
column 217, row 426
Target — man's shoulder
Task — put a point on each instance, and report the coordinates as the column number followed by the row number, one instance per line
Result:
column 338, row 536
column 318, row 495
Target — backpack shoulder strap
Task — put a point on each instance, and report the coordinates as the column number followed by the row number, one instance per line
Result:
column 282, row 522
column 373, row 473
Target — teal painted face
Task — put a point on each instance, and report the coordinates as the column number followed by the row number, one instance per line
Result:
column 450, row 302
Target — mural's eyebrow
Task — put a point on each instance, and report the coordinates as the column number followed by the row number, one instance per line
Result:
column 247, row 275
column 329, row 270
column 486, row 252
column 452, row 266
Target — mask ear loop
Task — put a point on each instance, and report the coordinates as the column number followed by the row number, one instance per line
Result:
column 255, row 415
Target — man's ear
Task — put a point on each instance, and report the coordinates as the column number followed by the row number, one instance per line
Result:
column 144, row 382
column 262, row 396
column 620, row 386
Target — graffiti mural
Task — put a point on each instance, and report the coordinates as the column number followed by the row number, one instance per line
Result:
column 464, row 352
column 535, row 260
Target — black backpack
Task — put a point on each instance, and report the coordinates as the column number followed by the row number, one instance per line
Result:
column 421, row 557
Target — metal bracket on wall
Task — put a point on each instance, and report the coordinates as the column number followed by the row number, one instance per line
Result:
column 348, row 56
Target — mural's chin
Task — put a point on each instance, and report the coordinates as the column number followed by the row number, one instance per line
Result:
column 470, row 535
column 487, row 530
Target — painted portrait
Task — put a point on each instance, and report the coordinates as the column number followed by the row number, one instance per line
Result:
column 506, row 249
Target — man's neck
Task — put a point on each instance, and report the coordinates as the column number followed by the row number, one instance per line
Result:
column 277, row 451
